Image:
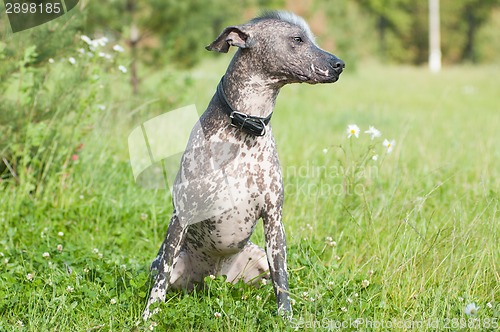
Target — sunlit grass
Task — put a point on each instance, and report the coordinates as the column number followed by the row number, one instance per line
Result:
column 416, row 241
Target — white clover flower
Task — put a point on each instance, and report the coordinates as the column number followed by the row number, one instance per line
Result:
column 122, row 69
column 217, row 315
column 258, row 298
column 375, row 157
column 373, row 132
column 389, row 145
column 69, row 289
column 212, row 277
column 51, row 60
column 263, row 281
column 365, row 283
column 29, row 276
column 489, row 305
column 72, row 60
column 45, row 255
column 61, row 234
column 344, row 309
column 95, row 251
column 113, row 301
column 471, row 309
column 59, row 247
column 118, row 48
column 20, row 323
column 292, row 301
column 352, row 129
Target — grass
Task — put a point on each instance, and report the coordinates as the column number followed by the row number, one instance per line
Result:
column 414, row 234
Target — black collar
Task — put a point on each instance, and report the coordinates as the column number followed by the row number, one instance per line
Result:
column 250, row 124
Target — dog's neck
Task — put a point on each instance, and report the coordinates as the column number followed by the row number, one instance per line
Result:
column 249, row 91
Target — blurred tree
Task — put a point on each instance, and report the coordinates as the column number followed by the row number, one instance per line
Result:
column 475, row 13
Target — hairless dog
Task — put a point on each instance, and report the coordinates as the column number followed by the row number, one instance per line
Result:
column 230, row 176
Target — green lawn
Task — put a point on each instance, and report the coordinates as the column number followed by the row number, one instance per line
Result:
column 407, row 240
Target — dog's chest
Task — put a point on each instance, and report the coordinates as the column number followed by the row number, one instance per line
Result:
column 235, row 176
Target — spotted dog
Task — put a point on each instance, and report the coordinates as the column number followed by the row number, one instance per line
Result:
column 230, row 175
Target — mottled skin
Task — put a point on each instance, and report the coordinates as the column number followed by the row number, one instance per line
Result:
column 210, row 228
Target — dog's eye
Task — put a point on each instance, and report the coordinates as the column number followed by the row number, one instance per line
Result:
column 297, row 39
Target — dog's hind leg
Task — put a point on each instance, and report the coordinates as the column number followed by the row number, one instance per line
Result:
column 249, row 265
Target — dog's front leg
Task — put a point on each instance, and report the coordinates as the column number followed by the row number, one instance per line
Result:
column 276, row 257
column 169, row 251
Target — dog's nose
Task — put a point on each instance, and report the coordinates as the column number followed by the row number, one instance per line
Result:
column 338, row 65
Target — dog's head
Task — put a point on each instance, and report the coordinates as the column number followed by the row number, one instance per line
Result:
column 281, row 45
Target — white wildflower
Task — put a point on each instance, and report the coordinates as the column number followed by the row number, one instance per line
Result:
column 471, row 309
column 365, row 283
column 375, row 157
column 352, row 129
column 59, row 247
column 373, row 132
column 51, row 60
column 46, row 255
column 389, row 145
column 60, row 234
column 113, row 301
column 72, row 60
column 69, row 289
column 86, row 39
column 118, row 48
column 217, row 315
column 29, row 276
column 122, row 69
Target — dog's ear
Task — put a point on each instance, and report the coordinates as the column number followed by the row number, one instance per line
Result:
column 231, row 36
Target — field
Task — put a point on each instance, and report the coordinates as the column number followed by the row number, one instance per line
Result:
column 406, row 241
